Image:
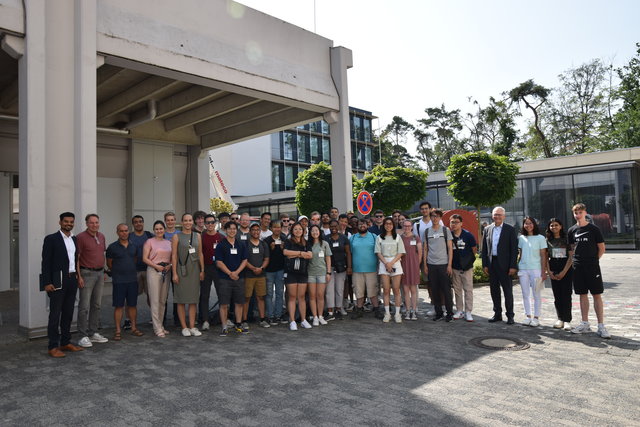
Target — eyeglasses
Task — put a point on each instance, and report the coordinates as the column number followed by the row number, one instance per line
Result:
column 454, row 222
column 210, row 222
column 379, row 216
column 234, row 218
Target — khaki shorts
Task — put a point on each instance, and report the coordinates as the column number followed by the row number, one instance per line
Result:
column 257, row 283
column 368, row 281
column 142, row 282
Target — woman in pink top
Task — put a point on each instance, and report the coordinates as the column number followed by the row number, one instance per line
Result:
column 411, row 270
column 156, row 253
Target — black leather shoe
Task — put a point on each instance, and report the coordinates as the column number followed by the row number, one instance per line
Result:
column 495, row 319
column 510, row 321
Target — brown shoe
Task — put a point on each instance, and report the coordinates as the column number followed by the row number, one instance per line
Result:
column 71, row 347
column 55, row 352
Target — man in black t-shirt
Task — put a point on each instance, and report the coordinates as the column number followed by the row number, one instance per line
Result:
column 588, row 247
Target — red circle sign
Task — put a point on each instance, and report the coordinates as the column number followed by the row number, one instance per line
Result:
column 364, row 202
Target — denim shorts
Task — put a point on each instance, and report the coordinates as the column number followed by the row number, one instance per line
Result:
column 317, row 279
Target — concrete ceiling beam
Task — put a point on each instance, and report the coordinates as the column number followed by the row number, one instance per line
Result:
column 186, row 99
column 208, row 110
column 263, row 126
column 238, row 117
column 143, row 91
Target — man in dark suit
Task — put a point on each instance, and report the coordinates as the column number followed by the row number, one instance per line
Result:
column 59, row 279
column 499, row 261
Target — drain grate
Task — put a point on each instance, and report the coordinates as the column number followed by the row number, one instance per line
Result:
column 499, row 343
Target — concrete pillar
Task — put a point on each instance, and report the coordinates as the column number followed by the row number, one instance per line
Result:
column 57, row 157
column 340, row 132
column 198, row 187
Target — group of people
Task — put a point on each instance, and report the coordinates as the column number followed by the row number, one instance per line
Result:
column 308, row 272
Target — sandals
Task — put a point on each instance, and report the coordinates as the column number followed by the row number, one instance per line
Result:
column 117, row 336
column 137, row 332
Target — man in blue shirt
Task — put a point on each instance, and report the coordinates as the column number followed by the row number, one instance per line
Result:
column 231, row 260
column 121, row 261
column 378, row 219
column 365, row 267
column 138, row 237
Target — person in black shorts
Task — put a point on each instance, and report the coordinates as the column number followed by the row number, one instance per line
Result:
column 231, row 260
column 587, row 244
column 297, row 253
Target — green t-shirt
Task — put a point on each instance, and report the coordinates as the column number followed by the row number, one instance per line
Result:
column 318, row 264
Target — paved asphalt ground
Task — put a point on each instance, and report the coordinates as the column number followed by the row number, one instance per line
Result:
column 349, row 372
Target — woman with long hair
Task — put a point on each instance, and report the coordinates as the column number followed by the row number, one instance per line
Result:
column 532, row 268
column 298, row 255
column 390, row 249
column 156, row 253
column 560, row 272
column 188, row 272
column 319, row 273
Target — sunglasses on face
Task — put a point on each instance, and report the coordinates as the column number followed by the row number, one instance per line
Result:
column 379, row 216
column 210, row 222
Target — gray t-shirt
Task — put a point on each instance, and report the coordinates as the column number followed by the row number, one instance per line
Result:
column 256, row 255
column 437, row 245
column 318, row 264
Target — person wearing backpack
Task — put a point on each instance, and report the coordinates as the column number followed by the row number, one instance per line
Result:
column 437, row 261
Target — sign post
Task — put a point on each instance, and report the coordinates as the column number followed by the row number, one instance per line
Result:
column 364, row 202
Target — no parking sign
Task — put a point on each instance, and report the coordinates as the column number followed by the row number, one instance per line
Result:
column 364, row 202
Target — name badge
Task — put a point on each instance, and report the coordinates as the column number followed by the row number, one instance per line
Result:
column 321, row 254
column 234, row 251
column 413, row 243
column 255, row 250
column 558, row 252
column 436, row 236
column 192, row 250
column 215, row 245
column 335, row 244
column 461, row 244
column 277, row 242
column 243, row 237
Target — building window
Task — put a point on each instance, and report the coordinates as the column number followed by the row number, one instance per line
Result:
column 315, row 148
column 288, row 178
column 276, row 152
column 315, row 127
column 326, row 150
column 368, row 163
column 276, row 180
column 289, row 145
column 367, row 130
column 325, row 127
column 303, row 148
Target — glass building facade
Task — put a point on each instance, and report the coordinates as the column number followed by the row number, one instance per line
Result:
column 295, row 150
column 610, row 193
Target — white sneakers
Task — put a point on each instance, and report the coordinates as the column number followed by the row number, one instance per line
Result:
column 85, row 342
column 603, row 333
column 205, row 326
column 458, row 315
column 535, row 323
column 581, row 328
column 526, row 321
column 559, row 324
column 195, row 332
column 398, row 318
column 468, row 317
column 567, row 326
column 98, row 338
column 343, row 311
column 186, row 332
column 293, row 326
column 305, row 324
column 321, row 320
column 316, row 321
column 386, row 318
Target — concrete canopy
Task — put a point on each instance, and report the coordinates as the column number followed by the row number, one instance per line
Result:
column 195, row 72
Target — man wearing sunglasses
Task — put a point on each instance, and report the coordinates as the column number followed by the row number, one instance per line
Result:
column 378, row 218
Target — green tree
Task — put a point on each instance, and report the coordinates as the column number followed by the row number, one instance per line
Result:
column 314, row 189
column 481, row 179
column 627, row 118
column 533, row 96
column 493, row 127
column 439, row 137
column 393, row 188
column 394, row 138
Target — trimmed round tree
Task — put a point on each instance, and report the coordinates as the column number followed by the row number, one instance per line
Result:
column 481, row 179
column 314, row 189
column 218, row 205
column 393, row 188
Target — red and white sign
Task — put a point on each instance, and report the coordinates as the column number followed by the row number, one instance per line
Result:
column 364, row 202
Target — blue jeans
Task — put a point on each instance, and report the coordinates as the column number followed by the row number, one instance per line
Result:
column 275, row 281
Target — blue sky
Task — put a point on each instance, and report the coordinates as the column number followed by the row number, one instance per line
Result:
column 412, row 54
